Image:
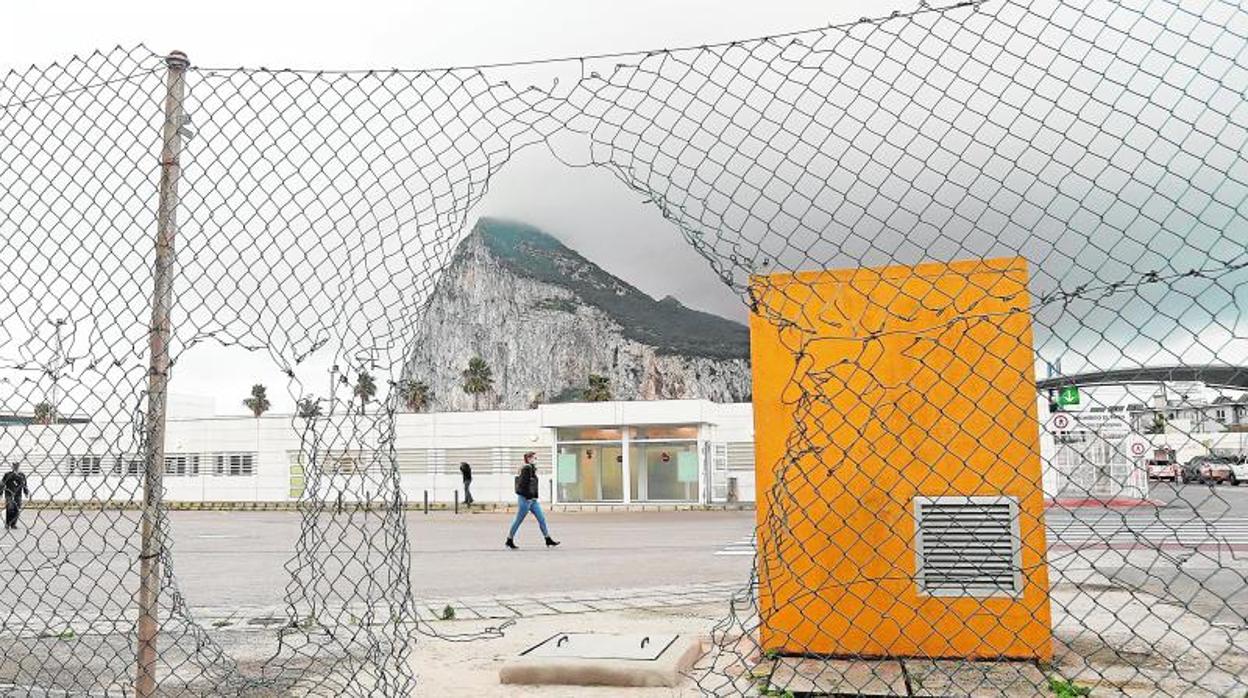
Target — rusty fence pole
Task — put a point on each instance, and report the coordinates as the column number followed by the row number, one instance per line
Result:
column 158, row 375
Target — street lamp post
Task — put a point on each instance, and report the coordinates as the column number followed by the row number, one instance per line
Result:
column 58, row 366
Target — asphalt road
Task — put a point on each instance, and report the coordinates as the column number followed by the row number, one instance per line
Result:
column 1191, row 552
column 1190, row 516
column 241, row 558
column 1197, row 547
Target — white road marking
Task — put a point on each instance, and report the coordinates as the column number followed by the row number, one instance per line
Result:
column 745, row 546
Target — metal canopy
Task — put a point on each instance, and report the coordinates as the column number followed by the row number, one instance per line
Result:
column 1214, row 376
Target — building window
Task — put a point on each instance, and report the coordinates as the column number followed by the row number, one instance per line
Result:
column 85, row 465
column 128, row 466
column 235, row 465
column 183, row 465
column 590, row 472
column 1220, row 415
column 675, row 432
column 664, row 463
column 663, row 470
column 589, row 434
column 345, row 463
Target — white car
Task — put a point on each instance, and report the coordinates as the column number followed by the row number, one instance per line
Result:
column 1239, row 470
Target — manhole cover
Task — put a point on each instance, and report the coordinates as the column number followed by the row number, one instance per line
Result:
column 641, row 648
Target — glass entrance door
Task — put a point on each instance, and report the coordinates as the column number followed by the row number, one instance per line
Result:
column 589, row 472
column 664, row 472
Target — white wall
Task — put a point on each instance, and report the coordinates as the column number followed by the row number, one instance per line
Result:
column 428, row 446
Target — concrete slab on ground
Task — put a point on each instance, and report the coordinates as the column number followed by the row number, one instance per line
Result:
column 605, row 659
column 453, row 669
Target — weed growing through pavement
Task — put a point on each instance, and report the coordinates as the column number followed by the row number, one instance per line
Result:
column 1065, row 688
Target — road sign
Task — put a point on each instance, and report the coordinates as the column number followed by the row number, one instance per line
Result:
column 1068, row 396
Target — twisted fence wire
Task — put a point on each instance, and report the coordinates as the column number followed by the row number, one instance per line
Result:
column 1100, row 143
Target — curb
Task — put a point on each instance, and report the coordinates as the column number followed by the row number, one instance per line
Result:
column 1092, row 502
column 98, row 505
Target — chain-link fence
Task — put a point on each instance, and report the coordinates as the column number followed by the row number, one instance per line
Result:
column 984, row 184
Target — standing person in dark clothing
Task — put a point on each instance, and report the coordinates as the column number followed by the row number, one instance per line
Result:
column 526, row 493
column 466, row 471
column 14, row 486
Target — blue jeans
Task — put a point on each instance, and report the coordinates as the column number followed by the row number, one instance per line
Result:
column 525, row 505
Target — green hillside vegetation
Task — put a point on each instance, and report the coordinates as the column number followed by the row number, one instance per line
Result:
column 666, row 325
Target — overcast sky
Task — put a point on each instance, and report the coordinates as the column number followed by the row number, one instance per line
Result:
column 1079, row 238
column 588, row 209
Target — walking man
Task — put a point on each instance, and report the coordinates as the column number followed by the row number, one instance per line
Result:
column 14, row 486
column 526, row 499
column 466, row 471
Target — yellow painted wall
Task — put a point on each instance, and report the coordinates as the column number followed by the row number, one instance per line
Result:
column 872, row 387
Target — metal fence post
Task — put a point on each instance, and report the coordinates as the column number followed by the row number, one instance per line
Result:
column 158, row 375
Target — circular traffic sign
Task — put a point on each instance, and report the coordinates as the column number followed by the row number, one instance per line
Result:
column 1061, row 422
column 1138, row 448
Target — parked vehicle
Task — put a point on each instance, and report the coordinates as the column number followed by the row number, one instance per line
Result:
column 1218, row 469
column 1163, row 465
column 1190, row 472
column 1239, row 470
column 1163, row 470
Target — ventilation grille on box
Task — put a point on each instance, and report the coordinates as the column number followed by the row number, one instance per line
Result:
column 967, row 546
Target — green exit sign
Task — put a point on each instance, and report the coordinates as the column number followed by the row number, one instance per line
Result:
column 1068, row 396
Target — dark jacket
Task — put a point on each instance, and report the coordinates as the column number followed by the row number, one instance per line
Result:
column 14, row 485
column 466, row 471
column 526, row 481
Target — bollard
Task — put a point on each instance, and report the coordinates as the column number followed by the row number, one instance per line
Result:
column 426, row 502
column 456, row 501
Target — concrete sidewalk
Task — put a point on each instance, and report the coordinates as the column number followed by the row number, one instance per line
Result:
column 1109, row 636
column 1101, row 641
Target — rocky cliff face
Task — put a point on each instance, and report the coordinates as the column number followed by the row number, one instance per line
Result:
column 544, row 318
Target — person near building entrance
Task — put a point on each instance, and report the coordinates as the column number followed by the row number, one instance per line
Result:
column 466, row 471
column 526, row 498
column 14, row 485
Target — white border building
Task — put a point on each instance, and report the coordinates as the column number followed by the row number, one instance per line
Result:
column 669, row 451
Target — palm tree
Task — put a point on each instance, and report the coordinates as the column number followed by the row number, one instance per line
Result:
column 415, row 394
column 599, row 389
column 478, row 379
column 258, row 403
column 365, row 388
column 536, row 399
column 1158, row 426
column 309, row 408
column 45, row 413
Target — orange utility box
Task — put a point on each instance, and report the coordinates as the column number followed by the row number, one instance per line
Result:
column 900, row 509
